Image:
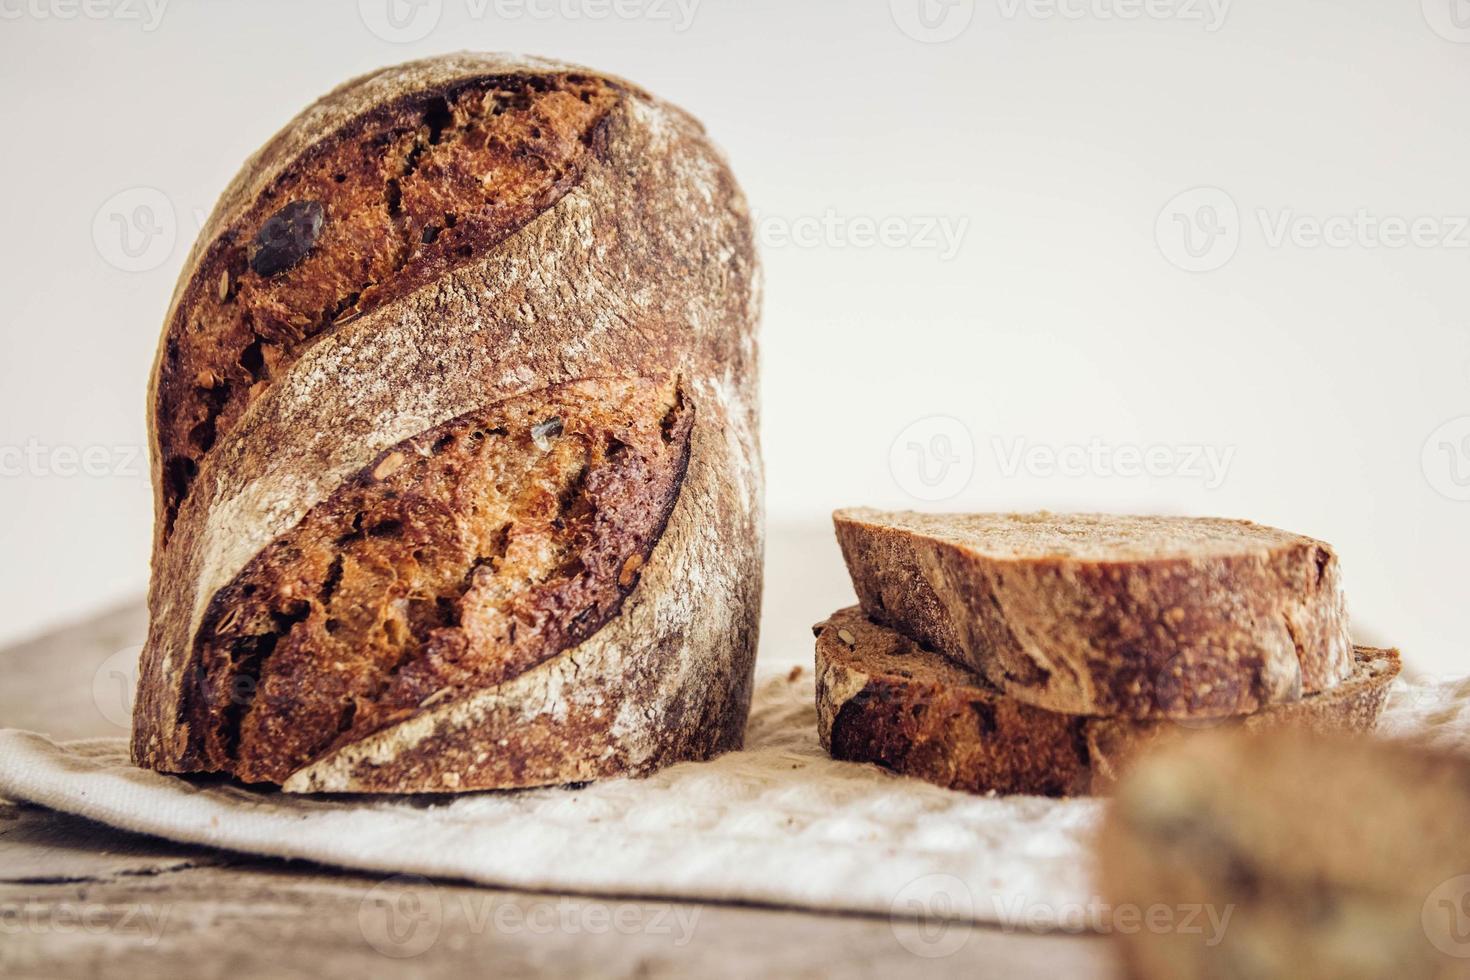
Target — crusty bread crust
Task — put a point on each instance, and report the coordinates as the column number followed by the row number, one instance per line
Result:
column 410, row 190
column 454, row 562
column 643, row 268
column 883, row 698
column 1103, row 615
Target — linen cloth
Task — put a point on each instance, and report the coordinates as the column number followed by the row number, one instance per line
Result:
column 778, row 823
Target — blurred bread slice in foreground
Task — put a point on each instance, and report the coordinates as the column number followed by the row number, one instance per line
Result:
column 1316, row 856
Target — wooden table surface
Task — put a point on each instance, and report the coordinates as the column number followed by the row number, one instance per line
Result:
column 78, row 899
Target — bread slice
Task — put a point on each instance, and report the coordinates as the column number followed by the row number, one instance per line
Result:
column 1146, row 617
column 883, row 698
column 1315, row 856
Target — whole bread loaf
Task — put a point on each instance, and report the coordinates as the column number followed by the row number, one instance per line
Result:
column 1145, row 617
column 883, row 698
column 455, row 445
column 1314, row 856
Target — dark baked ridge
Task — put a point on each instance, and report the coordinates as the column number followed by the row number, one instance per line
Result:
column 1334, row 857
column 405, row 194
column 883, row 698
column 459, row 559
column 1147, row 617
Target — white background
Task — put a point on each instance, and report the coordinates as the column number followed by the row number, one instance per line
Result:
column 1051, row 140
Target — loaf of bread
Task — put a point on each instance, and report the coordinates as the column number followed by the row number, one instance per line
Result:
column 1314, row 856
column 1144, row 617
column 455, row 445
column 883, row 698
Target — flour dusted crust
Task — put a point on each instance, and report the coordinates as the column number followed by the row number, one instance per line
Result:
column 1146, row 617
column 642, row 268
column 414, row 189
column 885, row 699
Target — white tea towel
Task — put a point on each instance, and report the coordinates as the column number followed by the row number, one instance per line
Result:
column 778, row 823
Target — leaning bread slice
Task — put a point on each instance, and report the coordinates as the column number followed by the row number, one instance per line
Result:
column 1145, row 617
column 882, row 698
column 1301, row 856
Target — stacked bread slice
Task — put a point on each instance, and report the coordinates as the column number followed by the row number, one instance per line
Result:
column 1039, row 653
